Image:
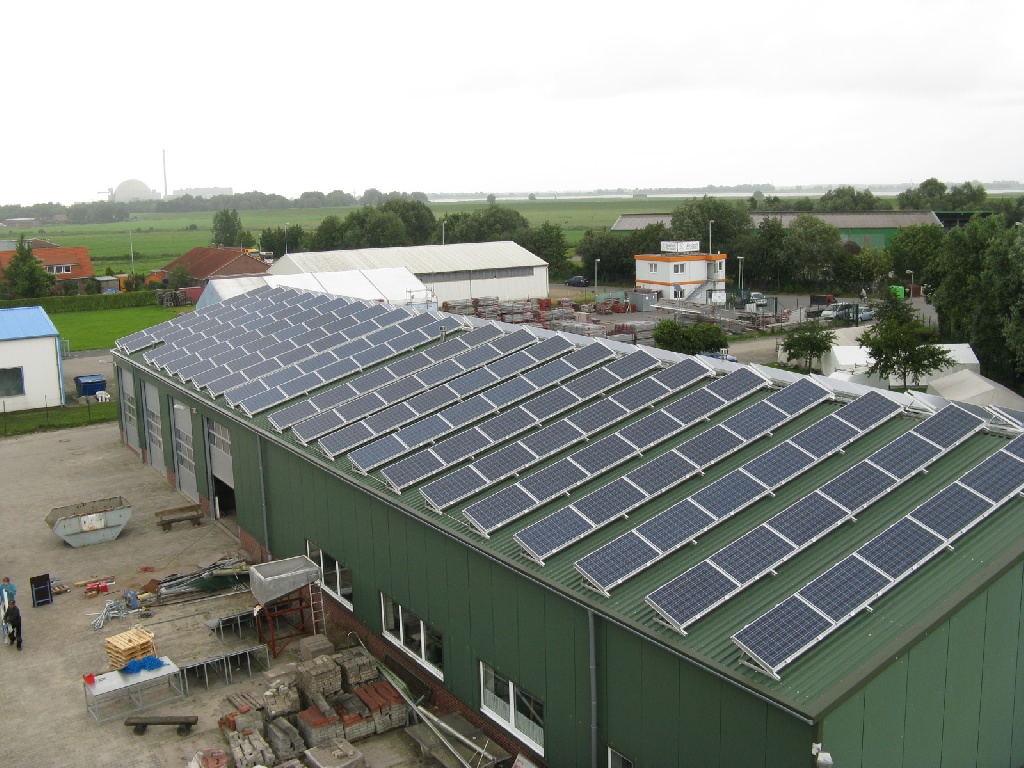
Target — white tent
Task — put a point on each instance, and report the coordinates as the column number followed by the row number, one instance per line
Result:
column 967, row 386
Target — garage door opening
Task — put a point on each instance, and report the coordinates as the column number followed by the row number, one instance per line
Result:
column 224, row 498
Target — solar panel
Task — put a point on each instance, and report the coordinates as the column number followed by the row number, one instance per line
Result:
column 333, row 397
column 660, row 473
column 681, row 375
column 371, row 381
column 432, row 399
column 640, row 394
column 263, row 400
column 736, row 385
column 355, row 409
column 597, row 416
column 422, row 431
column 224, row 383
column 807, row 519
column 798, row 397
column 410, row 365
column 338, row 370
column 675, row 526
column 472, row 382
column 480, row 335
column 499, row 509
column 551, row 439
column 844, row 588
column 550, row 347
column 476, row 357
column 301, row 385
column 339, row 442
column 905, row 455
column 588, row 356
column 399, row 390
column 694, row 407
column 1015, row 447
column 616, row 561
column 951, row 511
column 609, row 501
column 293, row 414
column 603, row 454
column 710, row 446
column 650, row 430
column 407, row 471
column 858, row 486
column 755, row 421
column 507, row 424
column 998, row 477
column 509, row 391
column 293, row 356
column 372, row 455
column 513, row 341
column 825, row 437
column 899, row 548
column 244, row 391
column 631, row 365
column 555, row 532
column 728, row 494
column 447, row 490
column 776, row 466
column 689, row 594
column 949, row 426
column 752, row 554
column 462, row 446
column 318, row 360
column 390, row 418
column 512, row 365
column 782, row 633
column 550, row 403
column 371, row 356
column 549, row 373
column 465, row 412
column 553, row 480
column 593, row 383
column 504, row 462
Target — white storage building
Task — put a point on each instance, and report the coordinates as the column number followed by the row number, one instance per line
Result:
column 452, row 272
column 30, row 360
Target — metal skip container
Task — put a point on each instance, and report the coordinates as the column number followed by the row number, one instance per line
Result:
column 90, row 522
column 277, row 578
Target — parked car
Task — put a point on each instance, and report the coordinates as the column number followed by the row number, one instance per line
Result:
column 758, row 299
column 867, row 314
column 834, row 311
column 579, row 281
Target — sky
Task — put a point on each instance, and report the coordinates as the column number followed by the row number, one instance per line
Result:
column 506, row 97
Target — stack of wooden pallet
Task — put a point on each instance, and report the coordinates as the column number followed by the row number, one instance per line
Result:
column 133, row 644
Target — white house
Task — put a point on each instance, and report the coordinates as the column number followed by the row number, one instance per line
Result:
column 694, row 277
column 31, row 374
column 457, row 271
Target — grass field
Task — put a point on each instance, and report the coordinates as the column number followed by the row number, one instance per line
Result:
column 99, row 330
column 159, row 238
column 42, row 419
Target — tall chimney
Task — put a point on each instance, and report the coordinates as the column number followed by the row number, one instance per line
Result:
column 165, row 173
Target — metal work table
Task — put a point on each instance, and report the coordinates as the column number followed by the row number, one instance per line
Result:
column 261, row 653
column 125, row 693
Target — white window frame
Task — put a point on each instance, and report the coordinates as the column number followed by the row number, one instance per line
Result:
column 505, row 713
column 652, row 267
column 679, row 268
column 618, row 760
column 333, row 574
column 15, row 376
column 219, row 436
column 408, row 642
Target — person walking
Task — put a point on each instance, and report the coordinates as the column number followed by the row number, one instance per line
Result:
column 12, row 618
column 7, row 588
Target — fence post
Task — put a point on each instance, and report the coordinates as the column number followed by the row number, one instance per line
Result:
column 46, row 408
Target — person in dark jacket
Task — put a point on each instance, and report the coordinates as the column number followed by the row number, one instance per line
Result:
column 12, row 617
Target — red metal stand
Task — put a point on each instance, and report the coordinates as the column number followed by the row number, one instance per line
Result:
column 283, row 620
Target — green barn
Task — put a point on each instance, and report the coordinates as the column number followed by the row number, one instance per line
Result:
column 608, row 555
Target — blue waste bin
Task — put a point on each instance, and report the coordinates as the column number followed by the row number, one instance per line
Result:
column 89, row 385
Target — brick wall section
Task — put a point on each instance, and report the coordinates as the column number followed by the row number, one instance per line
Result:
column 340, row 622
column 204, row 504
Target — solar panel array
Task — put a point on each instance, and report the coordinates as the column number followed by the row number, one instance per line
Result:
column 559, row 478
column 803, row 620
column 699, row 590
column 554, row 533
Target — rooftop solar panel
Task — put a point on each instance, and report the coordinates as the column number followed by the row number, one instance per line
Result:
column 371, row 455
column 694, row 407
column 597, row 416
column 549, row 373
column 858, row 486
column 317, row 426
column 905, row 455
column 293, row 414
column 997, row 478
column 710, row 446
column 510, row 342
column 676, row 526
column 900, row 548
column 808, row 519
column 681, row 375
column 689, row 594
column 504, row 462
column 949, row 426
column 640, row 394
column 507, row 424
column 447, row 490
column 409, row 470
column 501, row 508
column 779, row 464
column 650, row 430
column 390, row 418
column 432, row 399
column 631, row 365
column 752, row 554
column 461, row 414
column 782, row 633
column 952, row 510
column 474, row 381
column 512, row 365
column 616, row 561
column 729, row 494
column 668, row 469
column 844, row 588
column 603, row 454
column 736, row 385
column 588, row 356
column 755, row 421
column 550, row 403
column 552, row 534
column 609, row 501
column 553, row 480
column 421, row 432
column 435, row 374
column 595, row 382
column 799, row 396
column 463, row 446
column 509, row 392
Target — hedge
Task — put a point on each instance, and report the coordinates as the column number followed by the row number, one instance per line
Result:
column 57, row 304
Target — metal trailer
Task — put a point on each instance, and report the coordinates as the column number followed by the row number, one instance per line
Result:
column 90, row 522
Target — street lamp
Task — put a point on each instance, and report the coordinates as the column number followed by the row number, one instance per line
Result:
column 131, row 250
column 596, row 262
column 911, row 273
column 740, row 260
column 443, row 222
column 710, row 222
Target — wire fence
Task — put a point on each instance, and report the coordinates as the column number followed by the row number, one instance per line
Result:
column 55, row 417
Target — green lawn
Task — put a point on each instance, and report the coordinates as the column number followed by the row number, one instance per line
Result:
column 99, row 330
column 42, row 419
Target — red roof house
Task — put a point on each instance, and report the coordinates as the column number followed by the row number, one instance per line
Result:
column 62, row 263
column 204, row 263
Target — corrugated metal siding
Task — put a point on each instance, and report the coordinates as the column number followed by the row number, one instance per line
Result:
column 25, row 323
column 418, row 259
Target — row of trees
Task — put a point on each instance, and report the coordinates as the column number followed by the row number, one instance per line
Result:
column 930, row 195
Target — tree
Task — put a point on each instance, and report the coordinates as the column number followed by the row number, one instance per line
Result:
column 328, row 236
column 417, row 218
column 851, row 199
column 25, row 276
column 870, row 265
column 179, row 278
column 614, row 251
column 731, row 220
column 808, row 342
column 492, row 199
column 227, row 227
column 813, row 250
column 548, row 242
column 930, row 195
column 697, row 338
column 898, row 349
column 915, row 247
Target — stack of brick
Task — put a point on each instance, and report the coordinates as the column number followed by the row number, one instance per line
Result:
column 281, row 700
column 387, row 705
column 318, row 728
column 358, row 667
column 250, row 749
column 317, row 645
column 319, row 675
column 293, row 763
column 338, row 753
column 285, row 738
column 355, row 716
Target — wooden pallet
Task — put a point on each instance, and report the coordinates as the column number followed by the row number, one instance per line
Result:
column 128, row 646
column 242, row 700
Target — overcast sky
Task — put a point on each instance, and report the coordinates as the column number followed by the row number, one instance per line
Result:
column 293, row 96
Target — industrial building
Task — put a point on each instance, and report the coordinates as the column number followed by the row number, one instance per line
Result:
column 606, row 554
column 30, row 360
column 453, row 272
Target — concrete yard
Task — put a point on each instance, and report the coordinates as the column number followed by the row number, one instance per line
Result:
column 41, row 688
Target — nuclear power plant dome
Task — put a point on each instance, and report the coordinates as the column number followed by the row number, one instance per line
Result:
column 133, row 189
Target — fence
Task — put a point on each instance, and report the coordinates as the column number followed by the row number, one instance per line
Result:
column 55, row 417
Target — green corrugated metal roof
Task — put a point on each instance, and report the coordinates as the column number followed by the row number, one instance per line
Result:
column 820, row 677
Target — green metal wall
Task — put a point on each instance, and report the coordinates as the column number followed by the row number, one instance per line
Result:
column 869, row 237
column 955, row 700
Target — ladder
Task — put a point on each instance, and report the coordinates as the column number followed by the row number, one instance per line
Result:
column 316, row 609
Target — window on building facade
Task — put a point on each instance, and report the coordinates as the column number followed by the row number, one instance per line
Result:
column 183, row 447
column 12, row 382
column 128, row 405
column 336, row 579
column 679, row 269
column 219, row 437
column 652, row 266
column 518, row 710
column 414, row 635
column 616, row 760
